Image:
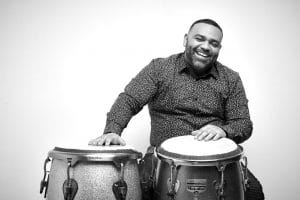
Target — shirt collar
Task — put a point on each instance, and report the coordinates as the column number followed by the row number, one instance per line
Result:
column 183, row 67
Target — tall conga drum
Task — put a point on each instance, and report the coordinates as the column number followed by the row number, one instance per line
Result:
column 92, row 172
column 196, row 170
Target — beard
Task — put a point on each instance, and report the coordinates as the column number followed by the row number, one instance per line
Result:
column 199, row 64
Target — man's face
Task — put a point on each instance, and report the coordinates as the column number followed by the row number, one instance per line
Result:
column 202, row 45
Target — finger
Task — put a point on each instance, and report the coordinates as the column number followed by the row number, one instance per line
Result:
column 101, row 140
column 118, row 140
column 195, row 133
column 216, row 137
column 107, row 141
column 202, row 132
column 199, row 132
column 94, row 142
column 202, row 135
column 209, row 136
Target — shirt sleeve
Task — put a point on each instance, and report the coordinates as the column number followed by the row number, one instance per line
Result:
column 237, row 123
column 137, row 93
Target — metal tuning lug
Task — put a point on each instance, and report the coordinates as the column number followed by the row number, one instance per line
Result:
column 120, row 189
column 70, row 186
column 245, row 173
column 45, row 180
column 172, row 183
column 220, row 186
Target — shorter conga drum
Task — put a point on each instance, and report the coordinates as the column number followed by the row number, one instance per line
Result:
column 196, row 170
column 93, row 172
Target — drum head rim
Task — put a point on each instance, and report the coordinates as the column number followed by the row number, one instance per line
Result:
column 93, row 155
column 88, row 151
column 198, row 159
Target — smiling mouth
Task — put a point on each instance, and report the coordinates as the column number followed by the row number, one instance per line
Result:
column 202, row 55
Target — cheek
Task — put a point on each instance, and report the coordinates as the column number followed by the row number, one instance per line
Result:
column 189, row 50
column 215, row 52
column 192, row 43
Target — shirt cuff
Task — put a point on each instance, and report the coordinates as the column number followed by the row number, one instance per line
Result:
column 112, row 127
column 228, row 131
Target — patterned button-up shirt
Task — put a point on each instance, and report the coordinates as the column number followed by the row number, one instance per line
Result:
column 180, row 103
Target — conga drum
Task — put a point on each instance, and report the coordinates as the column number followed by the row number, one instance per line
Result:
column 196, row 170
column 92, row 172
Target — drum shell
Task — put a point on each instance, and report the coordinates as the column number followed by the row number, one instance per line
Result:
column 94, row 178
column 207, row 174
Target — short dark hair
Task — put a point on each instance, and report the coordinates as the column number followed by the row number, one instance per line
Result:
column 207, row 21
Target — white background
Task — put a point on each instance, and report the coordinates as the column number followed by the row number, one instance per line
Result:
column 63, row 63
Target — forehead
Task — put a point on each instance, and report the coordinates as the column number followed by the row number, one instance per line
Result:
column 206, row 30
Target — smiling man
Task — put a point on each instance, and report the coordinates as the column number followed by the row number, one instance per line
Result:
column 188, row 93
column 202, row 45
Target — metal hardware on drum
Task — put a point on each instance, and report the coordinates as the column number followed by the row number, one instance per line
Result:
column 245, row 172
column 147, row 183
column 203, row 170
column 147, row 168
column 173, row 183
column 93, row 173
column 120, row 187
column 220, row 186
column 70, row 186
column 45, row 180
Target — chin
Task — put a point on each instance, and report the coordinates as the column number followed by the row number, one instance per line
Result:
column 200, row 66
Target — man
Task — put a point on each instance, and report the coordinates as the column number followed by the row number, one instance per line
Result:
column 187, row 93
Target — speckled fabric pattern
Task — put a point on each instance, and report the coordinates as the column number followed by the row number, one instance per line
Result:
column 180, row 103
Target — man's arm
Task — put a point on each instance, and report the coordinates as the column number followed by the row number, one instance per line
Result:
column 237, row 124
column 137, row 93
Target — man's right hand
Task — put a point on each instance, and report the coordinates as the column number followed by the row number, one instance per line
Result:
column 107, row 139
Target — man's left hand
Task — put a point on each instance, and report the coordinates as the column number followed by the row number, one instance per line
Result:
column 209, row 132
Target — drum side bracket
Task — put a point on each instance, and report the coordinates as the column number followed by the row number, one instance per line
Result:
column 173, row 183
column 147, row 181
column 70, row 186
column 45, row 180
column 245, row 172
column 120, row 187
column 220, row 186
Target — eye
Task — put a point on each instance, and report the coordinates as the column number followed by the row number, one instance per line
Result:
column 215, row 44
column 200, row 38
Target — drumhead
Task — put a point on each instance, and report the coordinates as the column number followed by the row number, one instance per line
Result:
column 188, row 148
column 95, row 153
column 94, row 149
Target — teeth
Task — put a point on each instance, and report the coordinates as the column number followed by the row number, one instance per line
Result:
column 202, row 54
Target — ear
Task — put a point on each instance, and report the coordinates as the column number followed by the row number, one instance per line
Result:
column 185, row 39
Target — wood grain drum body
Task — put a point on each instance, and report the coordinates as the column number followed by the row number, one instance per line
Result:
column 102, row 172
column 196, row 170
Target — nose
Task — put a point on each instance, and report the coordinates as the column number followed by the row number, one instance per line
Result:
column 205, row 46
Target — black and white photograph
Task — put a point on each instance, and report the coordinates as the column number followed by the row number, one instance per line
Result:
column 149, row 99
